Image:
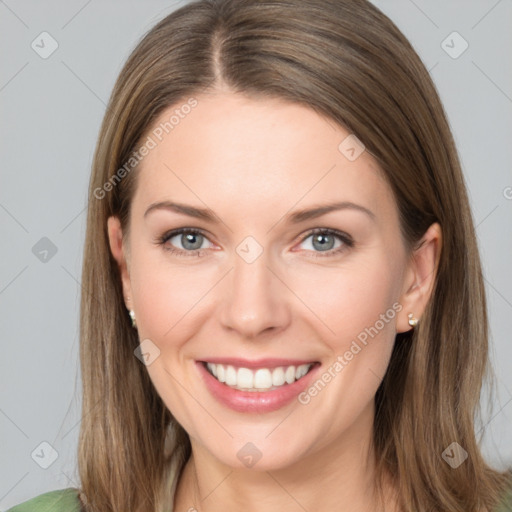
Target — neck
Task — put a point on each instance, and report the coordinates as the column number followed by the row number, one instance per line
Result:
column 338, row 476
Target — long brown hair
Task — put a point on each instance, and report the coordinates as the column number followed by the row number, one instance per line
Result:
column 349, row 62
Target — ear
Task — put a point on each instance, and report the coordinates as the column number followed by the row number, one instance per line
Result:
column 420, row 277
column 115, row 236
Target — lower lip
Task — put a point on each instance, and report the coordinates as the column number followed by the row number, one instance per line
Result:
column 255, row 401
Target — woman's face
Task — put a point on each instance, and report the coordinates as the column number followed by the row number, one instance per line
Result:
column 253, row 290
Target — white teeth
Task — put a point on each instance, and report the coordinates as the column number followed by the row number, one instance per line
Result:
column 221, row 373
column 230, row 376
column 260, row 379
column 278, row 376
column 289, row 375
column 245, row 378
column 301, row 371
column 212, row 368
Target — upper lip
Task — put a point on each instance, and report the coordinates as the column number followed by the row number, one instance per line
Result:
column 268, row 362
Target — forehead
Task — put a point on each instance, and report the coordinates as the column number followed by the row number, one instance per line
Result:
column 258, row 155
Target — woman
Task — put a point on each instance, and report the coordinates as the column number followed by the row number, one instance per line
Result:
column 322, row 343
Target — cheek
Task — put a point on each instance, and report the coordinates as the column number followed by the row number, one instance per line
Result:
column 358, row 303
column 168, row 302
column 352, row 299
column 359, row 306
column 166, row 296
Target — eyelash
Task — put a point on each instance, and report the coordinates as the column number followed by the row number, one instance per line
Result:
column 346, row 239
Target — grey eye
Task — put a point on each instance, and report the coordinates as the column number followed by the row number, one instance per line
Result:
column 322, row 241
column 189, row 241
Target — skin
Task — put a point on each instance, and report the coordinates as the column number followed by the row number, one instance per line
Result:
column 253, row 162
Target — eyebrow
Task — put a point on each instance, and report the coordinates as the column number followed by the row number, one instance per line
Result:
column 296, row 217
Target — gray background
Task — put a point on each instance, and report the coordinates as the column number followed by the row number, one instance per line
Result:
column 51, row 110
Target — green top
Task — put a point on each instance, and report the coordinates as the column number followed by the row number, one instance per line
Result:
column 63, row 500
column 506, row 504
column 66, row 500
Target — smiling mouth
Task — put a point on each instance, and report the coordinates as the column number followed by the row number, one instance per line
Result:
column 261, row 379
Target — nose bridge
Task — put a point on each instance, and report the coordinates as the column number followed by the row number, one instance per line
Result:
column 255, row 297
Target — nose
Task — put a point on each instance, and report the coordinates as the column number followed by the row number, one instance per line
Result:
column 256, row 300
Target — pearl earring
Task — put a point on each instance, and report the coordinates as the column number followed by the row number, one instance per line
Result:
column 413, row 322
column 132, row 316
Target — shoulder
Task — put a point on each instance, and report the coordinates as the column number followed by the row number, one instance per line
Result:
column 63, row 500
